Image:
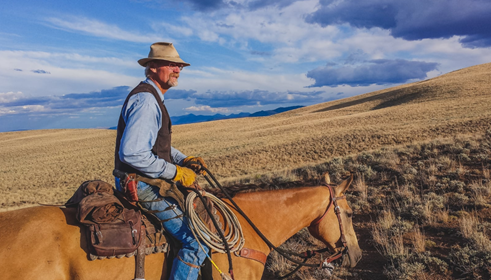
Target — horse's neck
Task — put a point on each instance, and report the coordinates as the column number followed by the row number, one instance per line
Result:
column 280, row 214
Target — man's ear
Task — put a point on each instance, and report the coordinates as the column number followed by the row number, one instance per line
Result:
column 152, row 67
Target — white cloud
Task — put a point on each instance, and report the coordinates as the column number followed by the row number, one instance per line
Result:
column 22, row 109
column 208, row 35
column 207, row 109
column 270, row 24
column 215, row 79
column 7, row 34
column 69, row 73
column 310, row 50
column 100, row 29
column 33, row 108
column 62, row 59
column 6, row 111
column 285, row 29
column 10, row 96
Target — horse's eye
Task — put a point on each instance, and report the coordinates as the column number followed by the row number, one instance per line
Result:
column 350, row 215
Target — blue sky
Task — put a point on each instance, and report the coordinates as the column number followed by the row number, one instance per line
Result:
column 70, row 64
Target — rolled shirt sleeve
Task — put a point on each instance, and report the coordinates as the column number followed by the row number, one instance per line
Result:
column 177, row 156
column 143, row 116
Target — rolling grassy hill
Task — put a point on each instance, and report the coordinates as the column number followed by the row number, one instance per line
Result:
column 47, row 165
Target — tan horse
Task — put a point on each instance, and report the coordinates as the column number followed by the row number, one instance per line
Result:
column 46, row 242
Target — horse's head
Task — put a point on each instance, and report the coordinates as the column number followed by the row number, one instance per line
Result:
column 328, row 227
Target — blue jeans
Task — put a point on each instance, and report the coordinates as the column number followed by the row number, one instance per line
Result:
column 191, row 256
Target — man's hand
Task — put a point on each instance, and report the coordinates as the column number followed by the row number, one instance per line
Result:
column 195, row 163
column 185, row 176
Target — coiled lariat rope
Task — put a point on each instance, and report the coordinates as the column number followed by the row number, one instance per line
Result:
column 234, row 235
column 220, row 233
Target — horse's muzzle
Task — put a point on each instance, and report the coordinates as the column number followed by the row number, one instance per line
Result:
column 351, row 258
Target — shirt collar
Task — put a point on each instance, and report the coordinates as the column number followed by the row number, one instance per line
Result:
column 150, row 82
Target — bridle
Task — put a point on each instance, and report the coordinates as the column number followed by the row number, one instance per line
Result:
column 337, row 211
column 285, row 253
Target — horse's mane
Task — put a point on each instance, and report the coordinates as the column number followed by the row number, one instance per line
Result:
column 234, row 189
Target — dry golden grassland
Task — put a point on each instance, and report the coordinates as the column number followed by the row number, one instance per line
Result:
column 421, row 152
column 48, row 165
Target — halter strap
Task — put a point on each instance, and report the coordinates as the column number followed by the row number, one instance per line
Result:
column 333, row 201
column 337, row 211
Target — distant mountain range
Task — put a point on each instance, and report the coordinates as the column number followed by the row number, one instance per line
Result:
column 192, row 118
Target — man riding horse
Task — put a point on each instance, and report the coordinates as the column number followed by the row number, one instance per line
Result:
column 143, row 147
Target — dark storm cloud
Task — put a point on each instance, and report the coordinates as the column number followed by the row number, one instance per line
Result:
column 367, row 13
column 254, row 97
column 379, row 71
column 476, row 41
column 413, row 20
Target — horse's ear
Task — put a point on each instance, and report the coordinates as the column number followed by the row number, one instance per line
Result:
column 326, row 178
column 343, row 186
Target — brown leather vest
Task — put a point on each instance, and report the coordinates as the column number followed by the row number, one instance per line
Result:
column 162, row 146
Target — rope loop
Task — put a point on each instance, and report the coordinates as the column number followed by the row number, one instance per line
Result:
column 234, row 235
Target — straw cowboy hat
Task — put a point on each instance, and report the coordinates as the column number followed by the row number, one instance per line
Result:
column 162, row 51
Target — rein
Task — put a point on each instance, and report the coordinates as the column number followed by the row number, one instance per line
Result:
column 285, row 253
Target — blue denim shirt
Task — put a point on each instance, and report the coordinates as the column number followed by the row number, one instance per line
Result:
column 143, row 116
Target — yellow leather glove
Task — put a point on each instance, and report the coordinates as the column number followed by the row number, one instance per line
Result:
column 192, row 163
column 185, row 176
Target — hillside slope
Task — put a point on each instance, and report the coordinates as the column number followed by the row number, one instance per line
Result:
column 47, row 165
column 451, row 104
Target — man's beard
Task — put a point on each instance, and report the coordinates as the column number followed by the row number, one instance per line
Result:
column 172, row 82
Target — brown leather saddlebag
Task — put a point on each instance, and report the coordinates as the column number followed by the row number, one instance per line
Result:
column 111, row 229
column 117, row 238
